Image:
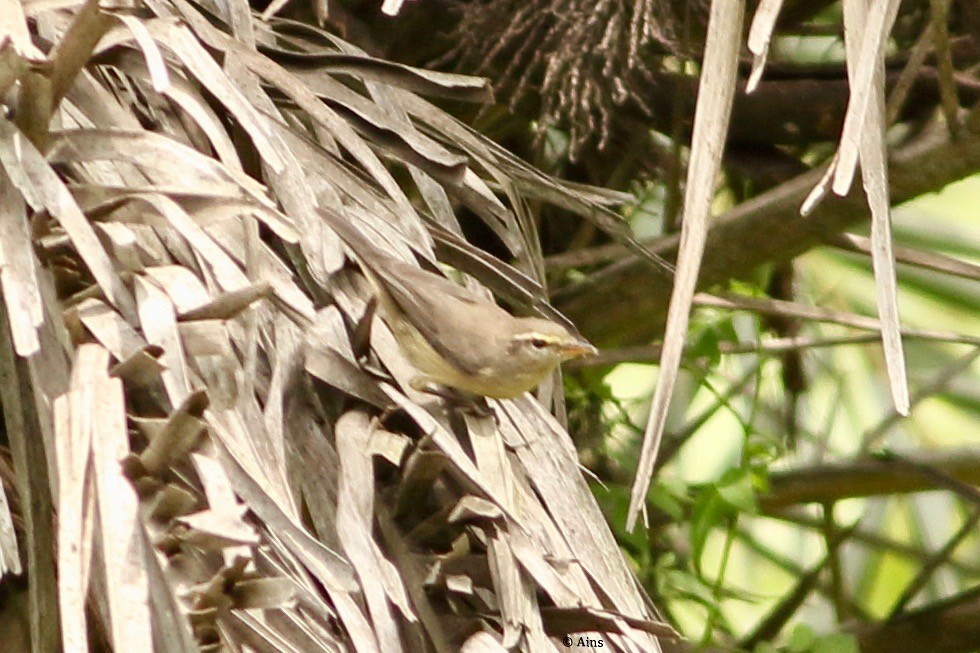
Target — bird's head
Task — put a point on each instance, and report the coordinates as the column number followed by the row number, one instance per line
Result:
column 546, row 342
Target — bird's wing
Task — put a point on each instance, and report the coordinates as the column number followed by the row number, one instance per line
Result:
column 433, row 305
column 415, row 293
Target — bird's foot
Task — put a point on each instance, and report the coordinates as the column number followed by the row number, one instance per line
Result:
column 470, row 404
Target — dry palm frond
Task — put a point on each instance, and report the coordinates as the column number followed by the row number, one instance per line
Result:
column 581, row 58
column 182, row 382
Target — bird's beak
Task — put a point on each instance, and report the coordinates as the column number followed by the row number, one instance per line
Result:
column 578, row 348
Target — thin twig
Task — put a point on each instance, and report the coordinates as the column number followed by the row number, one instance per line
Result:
column 832, row 539
column 766, row 347
column 785, row 609
column 935, row 561
column 873, row 436
column 917, row 257
column 768, row 306
column 872, row 540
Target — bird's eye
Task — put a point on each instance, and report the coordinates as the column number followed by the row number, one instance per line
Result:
column 538, row 343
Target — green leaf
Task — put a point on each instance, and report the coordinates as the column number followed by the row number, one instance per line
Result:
column 836, row 643
column 613, row 501
column 680, row 584
column 670, row 497
column 739, row 492
column 801, row 640
column 763, row 446
column 706, row 345
column 709, row 511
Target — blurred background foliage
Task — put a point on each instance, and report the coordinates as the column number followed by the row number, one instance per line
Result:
column 793, row 509
column 715, row 559
column 727, row 566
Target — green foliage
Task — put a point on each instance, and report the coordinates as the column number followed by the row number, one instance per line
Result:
column 804, row 640
column 836, row 643
column 710, row 488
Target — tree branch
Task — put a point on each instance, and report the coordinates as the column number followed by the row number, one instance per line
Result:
column 867, row 477
column 626, row 304
column 951, row 626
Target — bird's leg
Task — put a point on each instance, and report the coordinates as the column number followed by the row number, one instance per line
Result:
column 360, row 340
column 478, row 407
column 471, row 403
column 387, row 413
column 422, row 383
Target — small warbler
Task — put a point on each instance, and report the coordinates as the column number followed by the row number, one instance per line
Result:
column 453, row 336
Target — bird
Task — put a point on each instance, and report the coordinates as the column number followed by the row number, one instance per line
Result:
column 453, row 336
